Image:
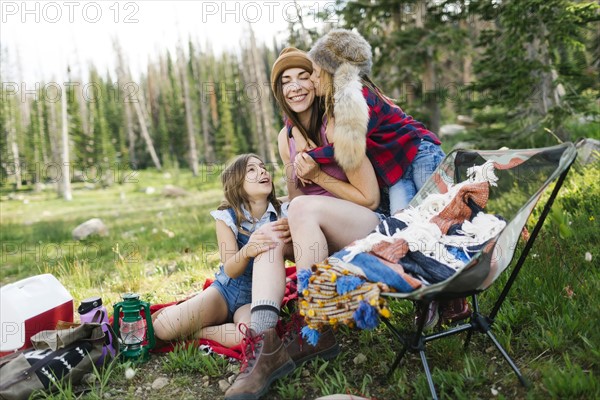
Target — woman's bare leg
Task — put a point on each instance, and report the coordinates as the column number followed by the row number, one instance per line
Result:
column 321, row 225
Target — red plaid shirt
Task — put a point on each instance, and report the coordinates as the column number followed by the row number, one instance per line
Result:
column 393, row 139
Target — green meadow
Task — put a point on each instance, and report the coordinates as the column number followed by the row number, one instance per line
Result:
column 164, row 248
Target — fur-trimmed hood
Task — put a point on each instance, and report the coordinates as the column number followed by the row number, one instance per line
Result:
column 351, row 114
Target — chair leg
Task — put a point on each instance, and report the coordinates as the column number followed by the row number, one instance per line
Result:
column 399, row 358
column 507, row 358
column 468, row 339
column 428, row 375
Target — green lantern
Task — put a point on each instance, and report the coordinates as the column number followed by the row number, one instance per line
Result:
column 132, row 329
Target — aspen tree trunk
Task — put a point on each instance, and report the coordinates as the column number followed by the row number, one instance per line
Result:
column 65, row 186
column 125, row 76
column 146, row 135
column 189, row 120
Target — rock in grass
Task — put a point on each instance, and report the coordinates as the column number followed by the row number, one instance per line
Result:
column 173, row 191
column 160, row 383
column 360, row 359
column 94, row 226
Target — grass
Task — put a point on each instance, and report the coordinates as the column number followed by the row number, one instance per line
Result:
column 164, row 249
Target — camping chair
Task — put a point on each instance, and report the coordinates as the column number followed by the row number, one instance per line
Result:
column 524, row 175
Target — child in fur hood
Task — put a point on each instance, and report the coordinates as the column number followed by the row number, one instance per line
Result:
column 403, row 152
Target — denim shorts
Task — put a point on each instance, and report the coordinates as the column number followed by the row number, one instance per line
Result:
column 429, row 156
column 236, row 292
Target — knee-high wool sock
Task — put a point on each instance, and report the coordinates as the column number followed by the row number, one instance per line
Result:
column 263, row 315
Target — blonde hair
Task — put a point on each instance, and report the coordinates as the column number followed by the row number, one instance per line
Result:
column 326, row 82
column 233, row 178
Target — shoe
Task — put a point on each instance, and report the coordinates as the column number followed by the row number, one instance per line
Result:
column 301, row 351
column 455, row 310
column 264, row 360
column 432, row 316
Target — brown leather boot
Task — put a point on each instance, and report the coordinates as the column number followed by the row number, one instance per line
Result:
column 301, row 351
column 265, row 360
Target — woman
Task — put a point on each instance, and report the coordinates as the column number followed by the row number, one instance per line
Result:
column 345, row 199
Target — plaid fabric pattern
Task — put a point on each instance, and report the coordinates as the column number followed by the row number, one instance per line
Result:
column 393, row 139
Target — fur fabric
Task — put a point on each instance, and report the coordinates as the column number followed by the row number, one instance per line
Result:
column 351, row 114
column 341, row 46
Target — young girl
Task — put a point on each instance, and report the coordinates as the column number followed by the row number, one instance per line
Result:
column 363, row 120
column 249, row 225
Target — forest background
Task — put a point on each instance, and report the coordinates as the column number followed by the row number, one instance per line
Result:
column 516, row 73
column 483, row 74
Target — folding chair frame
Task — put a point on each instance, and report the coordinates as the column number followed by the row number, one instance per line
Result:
column 478, row 322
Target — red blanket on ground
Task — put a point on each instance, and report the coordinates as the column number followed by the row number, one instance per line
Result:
column 291, row 293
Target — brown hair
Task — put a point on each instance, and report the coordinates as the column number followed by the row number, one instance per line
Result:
column 232, row 178
column 310, row 132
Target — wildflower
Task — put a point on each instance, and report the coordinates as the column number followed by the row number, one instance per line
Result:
column 592, row 218
column 588, row 256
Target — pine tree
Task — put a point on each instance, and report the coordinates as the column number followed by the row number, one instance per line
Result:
column 525, row 70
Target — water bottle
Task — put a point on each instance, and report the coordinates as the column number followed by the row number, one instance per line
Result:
column 92, row 311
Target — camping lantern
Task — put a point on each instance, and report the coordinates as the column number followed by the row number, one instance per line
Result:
column 132, row 329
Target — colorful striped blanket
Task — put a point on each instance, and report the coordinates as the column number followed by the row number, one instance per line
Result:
column 419, row 245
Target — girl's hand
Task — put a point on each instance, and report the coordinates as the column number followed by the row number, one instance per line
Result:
column 306, row 167
column 259, row 243
column 282, row 229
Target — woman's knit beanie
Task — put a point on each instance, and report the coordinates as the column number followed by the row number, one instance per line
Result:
column 290, row 57
column 342, row 46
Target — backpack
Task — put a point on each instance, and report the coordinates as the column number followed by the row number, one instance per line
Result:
column 63, row 354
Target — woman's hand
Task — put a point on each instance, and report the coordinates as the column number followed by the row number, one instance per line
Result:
column 306, row 167
column 282, row 229
column 259, row 243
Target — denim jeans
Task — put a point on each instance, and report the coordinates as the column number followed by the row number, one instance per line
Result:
column 429, row 156
column 236, row 291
